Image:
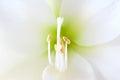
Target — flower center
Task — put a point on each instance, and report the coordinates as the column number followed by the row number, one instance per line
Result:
column 61, row 60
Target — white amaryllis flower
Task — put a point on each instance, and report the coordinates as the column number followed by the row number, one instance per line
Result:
column 78, row 28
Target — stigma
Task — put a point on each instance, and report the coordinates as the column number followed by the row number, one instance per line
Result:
column 61, row 46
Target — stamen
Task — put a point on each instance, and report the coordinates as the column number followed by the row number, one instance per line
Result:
column 61, row 57
column 67, row 41
column 49, row 54
column 49, row 37
column 66, row 56
column 62, row 47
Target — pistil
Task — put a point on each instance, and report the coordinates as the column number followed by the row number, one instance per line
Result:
column 61, row 57
column 58, row 45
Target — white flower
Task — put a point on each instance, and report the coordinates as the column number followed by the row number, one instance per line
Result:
column 24, row 26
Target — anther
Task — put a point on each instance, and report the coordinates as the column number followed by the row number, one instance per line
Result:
column 66, row 40
column 62, row 47
column 49, row 37
column 49, row 54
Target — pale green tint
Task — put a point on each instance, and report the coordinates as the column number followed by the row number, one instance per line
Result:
column 68, row 29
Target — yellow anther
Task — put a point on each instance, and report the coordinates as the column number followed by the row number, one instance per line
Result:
column 61, row 50
column 62, row 47
column 49, row 37
column 66, row 40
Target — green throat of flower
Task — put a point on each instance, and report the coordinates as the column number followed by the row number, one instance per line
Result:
column 60, row 48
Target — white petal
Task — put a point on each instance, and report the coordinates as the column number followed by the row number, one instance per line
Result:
column 27, row 70
column 79, row 69
column 8, row 59
column 96, row 22
column 55, row 6
column 25, row 24
column 107, row 60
